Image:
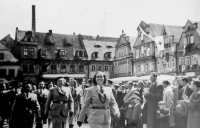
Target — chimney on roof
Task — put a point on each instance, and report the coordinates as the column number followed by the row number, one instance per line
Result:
column 74, row 33
column 122, row 31
column 50, row 31
column 33, row 19
column 16, row 28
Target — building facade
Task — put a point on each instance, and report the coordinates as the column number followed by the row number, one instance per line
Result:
column 49, row 55
column 100, row 55
column 144, row 61
column 189, row 50
column 123, row 56
column 166, row 59
column 9, row 65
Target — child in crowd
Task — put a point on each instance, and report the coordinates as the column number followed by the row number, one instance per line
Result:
column 162, row 115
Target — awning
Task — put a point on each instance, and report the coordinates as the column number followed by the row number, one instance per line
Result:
column 54, row 76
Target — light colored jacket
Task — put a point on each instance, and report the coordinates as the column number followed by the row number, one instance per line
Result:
column 98, row 116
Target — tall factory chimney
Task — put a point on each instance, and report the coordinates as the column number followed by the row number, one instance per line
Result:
column 33, row 19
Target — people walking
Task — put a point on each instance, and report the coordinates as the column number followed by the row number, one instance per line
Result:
column 101, row 100
column 25, row 108
column 62, row 104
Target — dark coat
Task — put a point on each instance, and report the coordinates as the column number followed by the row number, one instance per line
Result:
column 153, row 97
column 24, row 110
column 162, row 118
column 119, row 98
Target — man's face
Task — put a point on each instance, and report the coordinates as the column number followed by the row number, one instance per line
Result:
column 152, row 78
column 183, row 83
column 28, row 88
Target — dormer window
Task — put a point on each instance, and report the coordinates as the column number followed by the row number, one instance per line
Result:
column 62, row 53
column 43, row 52
column 81, row 53
column 95, row 55
column 97, row 46
column 188, row 28
column 109, row 46
column 108, row 55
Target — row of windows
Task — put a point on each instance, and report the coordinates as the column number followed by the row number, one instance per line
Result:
column 143, row 68
column 194, row 59
column 63, row 68
column 122, row 53
column 188, row 40
column 166, row 65
column 142, row 51
column 10, row 72
column 100, row 68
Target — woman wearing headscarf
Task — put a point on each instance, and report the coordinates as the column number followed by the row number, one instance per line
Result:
column 24, row 108
column 62, row 104
column 102, row 101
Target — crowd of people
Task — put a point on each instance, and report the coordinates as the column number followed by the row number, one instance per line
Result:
column 102, row 103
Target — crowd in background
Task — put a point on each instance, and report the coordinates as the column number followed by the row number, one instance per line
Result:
column 142, row 104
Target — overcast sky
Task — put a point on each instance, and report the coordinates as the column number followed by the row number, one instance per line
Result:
column 94, row 17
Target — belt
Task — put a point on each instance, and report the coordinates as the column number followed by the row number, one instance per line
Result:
column 98, row 107
column 60, row 102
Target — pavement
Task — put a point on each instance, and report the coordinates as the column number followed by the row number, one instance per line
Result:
column 46, row 126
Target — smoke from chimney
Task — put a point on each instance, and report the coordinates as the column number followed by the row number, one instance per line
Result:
column 33, row 19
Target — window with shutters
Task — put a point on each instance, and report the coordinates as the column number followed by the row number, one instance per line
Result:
column 181, row 62
column 137, row 53
column 25, row 68
column 81, row 68
column 1, row 56
column 196, row 59
column 2, row 73
column 191, row 39
column 147, row 67
column 44, row 68
column 173, row 63
column 106, row 68
column 93, row 67
column 31, row 68
column 72, row 68
column 99, row 68
column 25, row 51
column 187, row 60
column 31, row 52
column 81, row 53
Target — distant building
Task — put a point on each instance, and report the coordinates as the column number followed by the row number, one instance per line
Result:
column 100, row 53
column 49, row 55
column 167, row 58
column 144, row 61
column 123, row 56
column 189, row 50
column 9, row 65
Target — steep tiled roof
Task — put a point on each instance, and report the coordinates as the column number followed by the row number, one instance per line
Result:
column 8, row 55
column 154, row 30
column 103, row 42
column 53, row 42
column 174, row 30
column 8, row 41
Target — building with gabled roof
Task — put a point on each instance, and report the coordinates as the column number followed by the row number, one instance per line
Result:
column 100, row 52
column 49, row 55
column 166, row 60
column 123, row 56
column 144, row 49
column 188, row 50
column 9, row 65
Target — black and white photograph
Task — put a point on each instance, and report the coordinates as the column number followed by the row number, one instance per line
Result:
column 100, row 64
